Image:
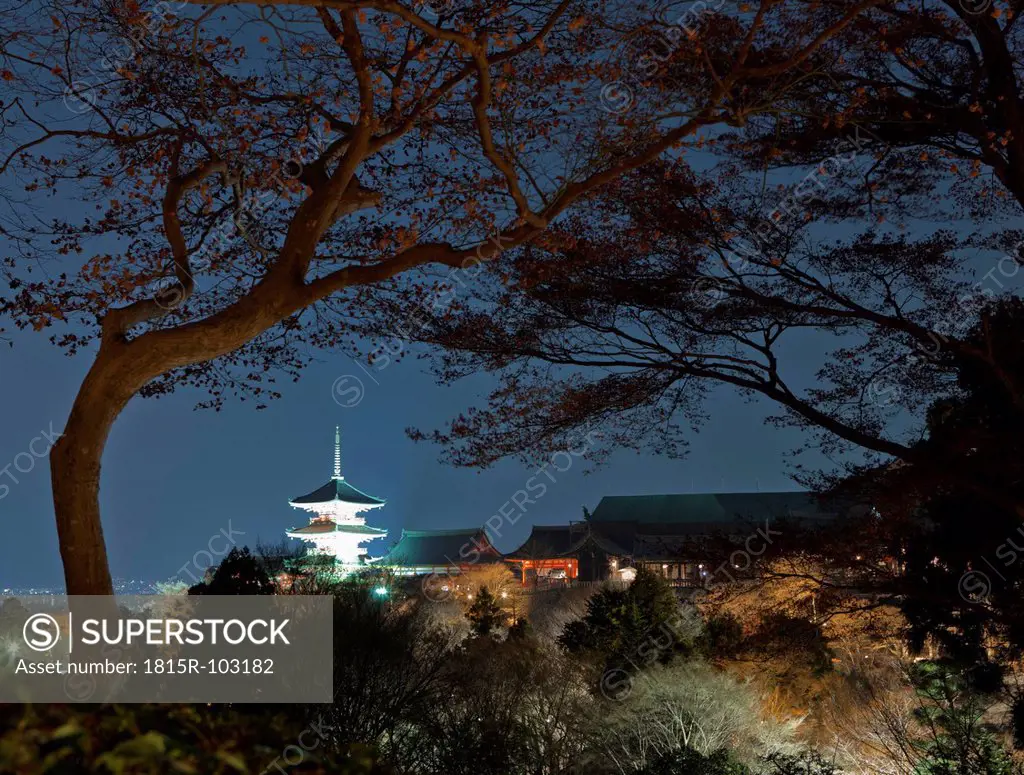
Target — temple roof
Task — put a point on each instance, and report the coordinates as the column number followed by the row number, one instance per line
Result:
column 321, row 527
column 337, row 490
column 604, row 542
column 440, row 548
column 709, row 507
column 548, row 541
column 656, row 527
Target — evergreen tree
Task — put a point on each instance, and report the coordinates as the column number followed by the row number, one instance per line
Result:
column 485, row 615
column 958, row 742
column 630, row 628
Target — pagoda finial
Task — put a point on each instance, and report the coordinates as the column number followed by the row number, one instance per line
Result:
column 337, row 453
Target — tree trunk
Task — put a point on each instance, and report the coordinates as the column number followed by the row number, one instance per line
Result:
column 122, row 367
column 75, row 471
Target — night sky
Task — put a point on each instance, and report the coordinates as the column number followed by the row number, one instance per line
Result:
column 174, row 477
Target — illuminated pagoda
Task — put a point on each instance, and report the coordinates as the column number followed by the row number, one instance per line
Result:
column 336, row 529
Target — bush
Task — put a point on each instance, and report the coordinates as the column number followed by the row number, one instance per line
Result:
column 690, row 705
column 143, row 739
column 793, row 639
column 688, row 762
column 722, row 636
column 804, row 764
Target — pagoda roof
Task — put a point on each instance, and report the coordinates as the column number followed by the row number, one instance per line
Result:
column 441, row 548
column 321, row 527
column 337, row 489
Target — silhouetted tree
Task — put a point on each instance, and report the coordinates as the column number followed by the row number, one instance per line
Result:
column 239, row 573
column 239, row 204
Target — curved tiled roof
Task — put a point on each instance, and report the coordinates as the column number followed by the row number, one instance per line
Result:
column 656, row 527
column 548, row 541
column 422, row 548
column 337, row 490
column 708, row 507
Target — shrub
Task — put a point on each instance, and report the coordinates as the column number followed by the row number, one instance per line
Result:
column 722, row 636
column 687, row 761
column 143, row 739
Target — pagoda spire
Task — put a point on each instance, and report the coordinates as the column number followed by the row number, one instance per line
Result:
column 337, row 453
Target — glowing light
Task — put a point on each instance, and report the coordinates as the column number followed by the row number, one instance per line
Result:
column 381, row 591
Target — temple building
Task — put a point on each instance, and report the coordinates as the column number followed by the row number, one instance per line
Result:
column 441, row 552
column 684, row 538
column 336, row 527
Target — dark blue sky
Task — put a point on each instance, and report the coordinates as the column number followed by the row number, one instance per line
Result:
column 173, row 477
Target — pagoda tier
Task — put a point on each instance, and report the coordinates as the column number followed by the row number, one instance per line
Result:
column 337, row 499
column 341, row 541
column 336, row 527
